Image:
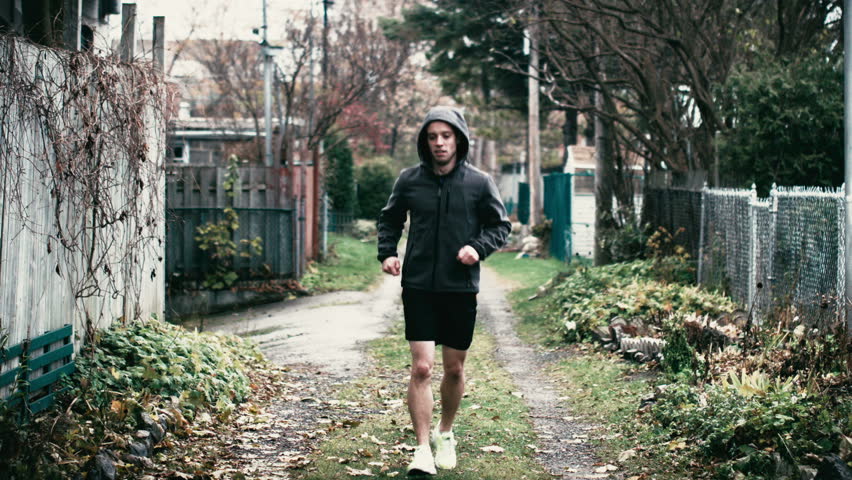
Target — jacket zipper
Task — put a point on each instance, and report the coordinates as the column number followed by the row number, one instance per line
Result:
column 437, row 228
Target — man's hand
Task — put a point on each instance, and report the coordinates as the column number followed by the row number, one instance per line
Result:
column 467, row 255
column 391, row 265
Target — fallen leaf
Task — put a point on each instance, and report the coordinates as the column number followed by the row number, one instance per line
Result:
column 845, row 447
column 626, row 455
column 492, row 449
column 606, row 468
column 677, row 445
column 377, row 441
column 352, row 472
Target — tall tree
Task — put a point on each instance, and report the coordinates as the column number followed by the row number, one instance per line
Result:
column 469, row 44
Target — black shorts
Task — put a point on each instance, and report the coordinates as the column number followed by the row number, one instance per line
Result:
column 446, row 318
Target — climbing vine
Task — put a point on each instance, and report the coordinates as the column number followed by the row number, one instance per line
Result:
column 217, row 238
column 81, row 183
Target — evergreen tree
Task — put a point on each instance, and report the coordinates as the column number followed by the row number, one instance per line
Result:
column 339, row 174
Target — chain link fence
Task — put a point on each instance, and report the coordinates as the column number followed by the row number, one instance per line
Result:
column 787, row 250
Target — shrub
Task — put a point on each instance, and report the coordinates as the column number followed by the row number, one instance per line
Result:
column 592, row 296
column 340, row 174
column 678, row 354
column 375, row 182
column 156, row 359
column 739, row 431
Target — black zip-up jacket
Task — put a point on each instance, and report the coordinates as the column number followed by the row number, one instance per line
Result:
column 447, row 212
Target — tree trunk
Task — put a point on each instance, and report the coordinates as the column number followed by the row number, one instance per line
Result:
column 604, row 181
column 569, row 132
column 394, row 134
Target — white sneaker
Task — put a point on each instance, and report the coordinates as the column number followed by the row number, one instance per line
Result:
column 444, row 444
column 423, row 463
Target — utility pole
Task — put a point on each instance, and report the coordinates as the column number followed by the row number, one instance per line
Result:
column 533, row 136
column 269, row 53
column 847, row 149
column 320, row 239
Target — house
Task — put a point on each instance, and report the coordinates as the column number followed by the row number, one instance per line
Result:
column 49, row 24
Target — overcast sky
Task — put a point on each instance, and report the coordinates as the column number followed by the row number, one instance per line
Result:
column 212, row 18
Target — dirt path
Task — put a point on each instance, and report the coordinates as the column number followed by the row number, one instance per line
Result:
column 563, row 446
column 319, row 342
column 327, row 331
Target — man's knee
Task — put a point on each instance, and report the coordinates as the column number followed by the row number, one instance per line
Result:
column 454, row 371
column 421, row 370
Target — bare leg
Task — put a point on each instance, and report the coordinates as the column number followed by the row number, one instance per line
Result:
column 452, row 386
column 420, row 400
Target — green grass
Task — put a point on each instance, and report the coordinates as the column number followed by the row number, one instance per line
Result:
column 528, row 272
column 526, row 275
column 351, row 265
column 608, row 391
column 489, row 415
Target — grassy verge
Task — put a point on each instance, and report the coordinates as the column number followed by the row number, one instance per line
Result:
column 351, row 265
column 526, row 275
column 608, row 391
column 490, row 416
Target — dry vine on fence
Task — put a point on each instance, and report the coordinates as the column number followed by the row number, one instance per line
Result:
column 80, row 138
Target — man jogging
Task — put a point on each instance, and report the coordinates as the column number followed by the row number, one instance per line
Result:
column 457, row 219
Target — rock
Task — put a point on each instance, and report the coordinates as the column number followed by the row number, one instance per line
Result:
column 144, row 462
column 155, row 429
column 833, row 468
column 101, row 467
column 601, row 334
column 139, row 449
column 807, row 473
column 647, row 400
column 142, row 434
column 784, row 470
column 157, row 433
column 610, row 346
column 530, row 245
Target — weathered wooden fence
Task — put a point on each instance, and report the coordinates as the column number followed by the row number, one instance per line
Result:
column 196, row 196
column 81, row 204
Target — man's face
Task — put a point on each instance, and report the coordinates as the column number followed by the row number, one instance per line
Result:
column 442, row 143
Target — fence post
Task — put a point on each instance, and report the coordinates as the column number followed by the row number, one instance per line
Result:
column 297, row 236
column 324, row 225
column 770, row 258
column 704, row 191
column 841, row 255
column 752, row 261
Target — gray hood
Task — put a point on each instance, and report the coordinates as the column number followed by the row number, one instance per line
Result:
column 455, row 118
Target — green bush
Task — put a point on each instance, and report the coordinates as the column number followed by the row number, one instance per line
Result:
column 593, row 296
column 127, row 370
column 738, row 432
column 678, row 355
column 157, row 359
column 375, row 182
column 340, row 174
column 787, row 122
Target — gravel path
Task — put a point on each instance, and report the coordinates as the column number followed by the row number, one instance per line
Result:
column 563, row 446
